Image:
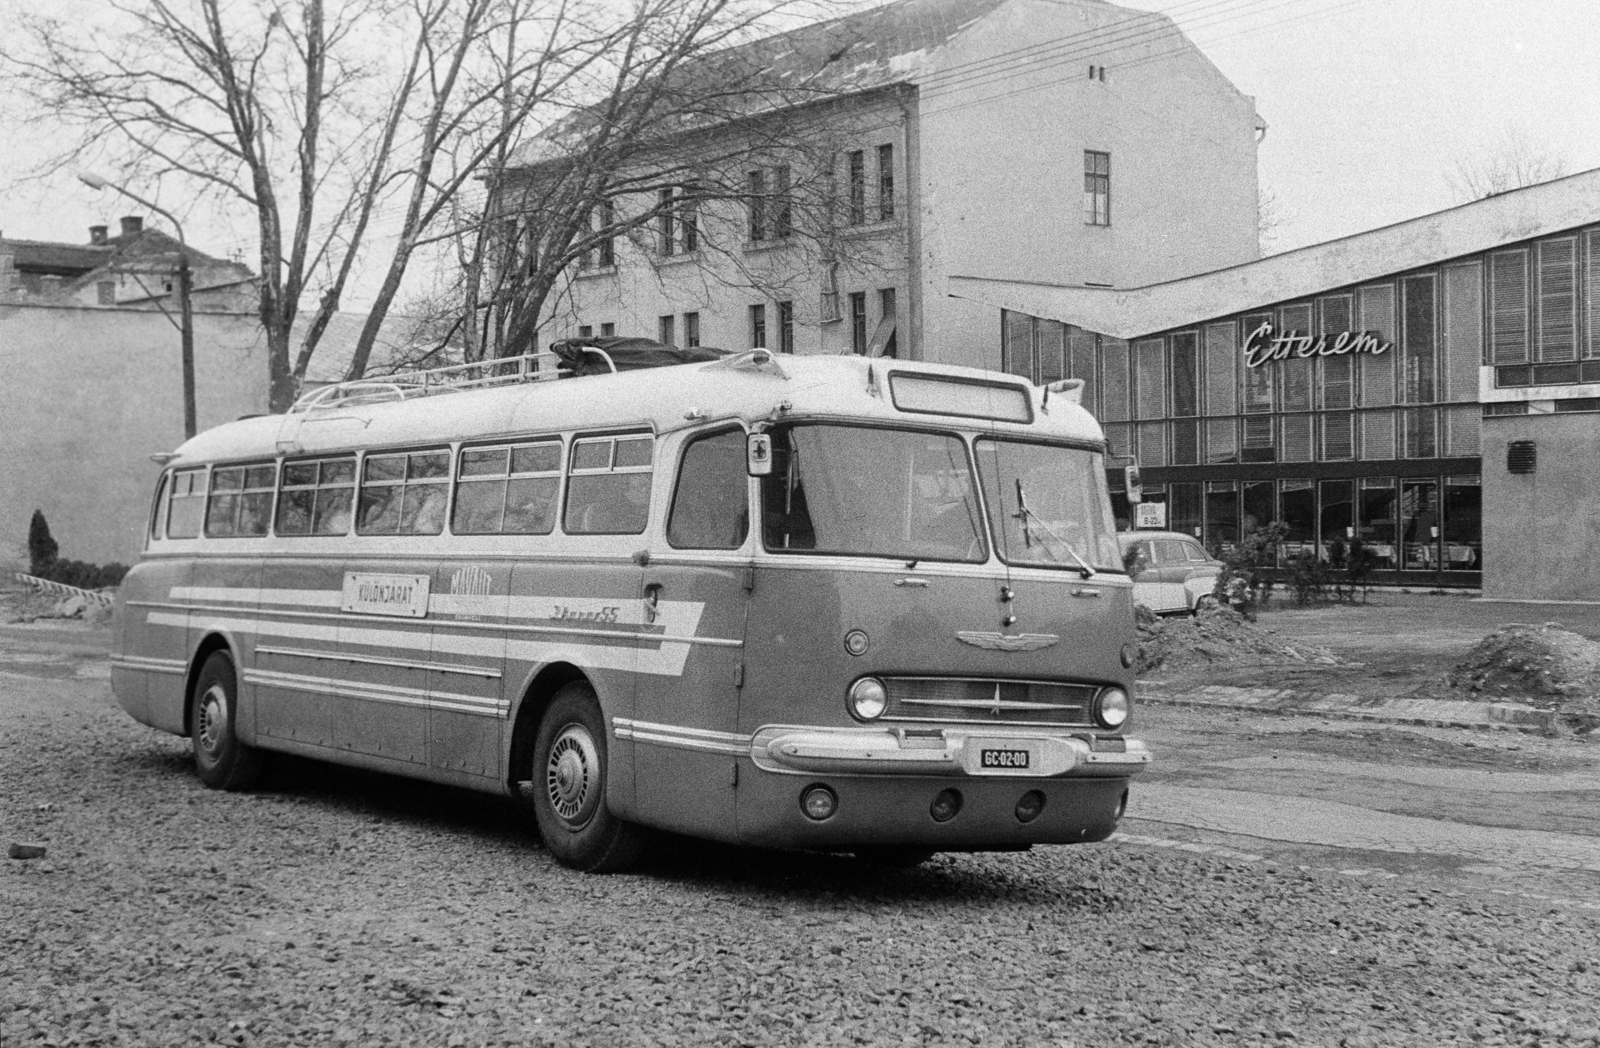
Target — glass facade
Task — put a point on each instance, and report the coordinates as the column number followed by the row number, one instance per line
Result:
column 1350, row 416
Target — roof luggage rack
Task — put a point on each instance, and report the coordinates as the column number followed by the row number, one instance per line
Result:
column 454, row 378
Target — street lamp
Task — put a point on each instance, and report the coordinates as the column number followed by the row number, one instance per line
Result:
column 185, row 308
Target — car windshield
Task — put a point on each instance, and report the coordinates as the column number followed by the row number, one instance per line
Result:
column 870, row 491
column 1048, row 505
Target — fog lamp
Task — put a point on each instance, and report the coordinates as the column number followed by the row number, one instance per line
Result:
column 1030, row 806
column 868, row 699
column 818, row 802
column 1111, row 708
column 945, row 805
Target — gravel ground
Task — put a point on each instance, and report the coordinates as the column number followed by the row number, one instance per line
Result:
column 344, row 907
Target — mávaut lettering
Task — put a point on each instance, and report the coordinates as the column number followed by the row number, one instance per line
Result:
column 1263, row 345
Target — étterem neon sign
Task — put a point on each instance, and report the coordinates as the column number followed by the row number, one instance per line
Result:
column 1264, row 345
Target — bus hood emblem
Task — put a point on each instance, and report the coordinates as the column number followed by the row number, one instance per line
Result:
column 1007, row 642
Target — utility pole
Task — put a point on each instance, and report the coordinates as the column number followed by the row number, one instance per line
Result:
column 185, row 289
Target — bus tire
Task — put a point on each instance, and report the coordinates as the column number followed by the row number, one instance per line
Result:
column 570, row 775
column 220, row 759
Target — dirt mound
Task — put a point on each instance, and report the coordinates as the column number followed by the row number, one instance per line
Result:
column 1215, row 635
column 1548, row 666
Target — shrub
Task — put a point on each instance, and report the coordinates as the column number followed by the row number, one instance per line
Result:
column 1309, row 578
column 44, row 561
column 1243, row 584
column 42, row 549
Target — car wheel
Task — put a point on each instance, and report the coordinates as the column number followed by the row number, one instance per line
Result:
column 570, row 776
column 220, row 759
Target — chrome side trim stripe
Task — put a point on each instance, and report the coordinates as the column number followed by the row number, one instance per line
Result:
column 405, row 664
column 348, row 689
column 149, row 665
column 681, row 738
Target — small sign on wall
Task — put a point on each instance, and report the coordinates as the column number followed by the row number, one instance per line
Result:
column 405, row 596
column 1151, row 515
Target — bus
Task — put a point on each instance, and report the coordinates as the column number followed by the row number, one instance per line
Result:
column 843, row 604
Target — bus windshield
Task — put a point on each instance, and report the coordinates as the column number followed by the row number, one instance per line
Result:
column 1048, row 505
column 866, row 491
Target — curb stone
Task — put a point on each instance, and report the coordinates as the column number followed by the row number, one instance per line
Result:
column 1424, row 713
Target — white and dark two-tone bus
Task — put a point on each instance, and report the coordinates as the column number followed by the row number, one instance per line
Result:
column 810, row 602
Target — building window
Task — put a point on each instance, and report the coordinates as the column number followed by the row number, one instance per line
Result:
column 1096, row 188
column 666, row 236
column 585, row 331
column 756, row 193
column 666, row 332
column 691, row 329
column 782, row 205
column 858, row 187
column 608, row 247
column 785, row 327
column 689, row 220
column 885, row 182
column 106, row 291
column 858, row 322
column 607, row 330
column 884, row 338
column 758, row 327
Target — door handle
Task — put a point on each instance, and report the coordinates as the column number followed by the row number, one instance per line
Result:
column 652, row 600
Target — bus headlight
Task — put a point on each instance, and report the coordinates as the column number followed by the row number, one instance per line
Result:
column 868, row 699
column 1111, row 708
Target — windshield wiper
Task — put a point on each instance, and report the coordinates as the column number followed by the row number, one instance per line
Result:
column 1025, row 515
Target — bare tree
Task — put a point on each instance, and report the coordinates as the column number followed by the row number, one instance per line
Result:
column 1513, row 162
column 321, row 117
column 1272, row 215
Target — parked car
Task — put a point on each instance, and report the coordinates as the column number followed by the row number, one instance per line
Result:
column 1173, row 574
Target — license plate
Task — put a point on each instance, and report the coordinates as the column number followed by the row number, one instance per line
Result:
column 1003, row 758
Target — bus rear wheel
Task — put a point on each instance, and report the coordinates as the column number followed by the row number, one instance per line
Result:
column 220, row 759
column 570, row 774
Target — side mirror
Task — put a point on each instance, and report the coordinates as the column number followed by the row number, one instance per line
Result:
column 758, row 454
column 1130, row 475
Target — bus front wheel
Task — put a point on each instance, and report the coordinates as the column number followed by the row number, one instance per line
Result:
column 220, row 759
column 570, row 772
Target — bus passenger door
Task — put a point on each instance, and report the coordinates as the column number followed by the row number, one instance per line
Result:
column 695, row 593
column 466, row 686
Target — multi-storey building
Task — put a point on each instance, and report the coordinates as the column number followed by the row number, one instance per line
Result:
column 1429, row 389
column 1064, row 141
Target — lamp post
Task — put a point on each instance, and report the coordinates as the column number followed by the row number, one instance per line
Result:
column 185, row 307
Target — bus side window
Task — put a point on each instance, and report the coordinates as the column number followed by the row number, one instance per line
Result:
column 158, row 508
column 187, row 504
column 241, row 501
column 316, row 497
column 508, row 490
column 608, row 486
column 710, row 504
column 404, row 493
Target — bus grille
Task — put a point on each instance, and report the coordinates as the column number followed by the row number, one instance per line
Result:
column 989, row 701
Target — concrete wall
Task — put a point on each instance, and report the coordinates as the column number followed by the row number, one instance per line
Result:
column 89, row 394
column 1540, row 530
column 1002, row 178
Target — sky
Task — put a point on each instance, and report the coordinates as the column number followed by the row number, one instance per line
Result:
column 1369, row 105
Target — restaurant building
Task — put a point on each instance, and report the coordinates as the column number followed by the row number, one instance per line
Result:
column 1429, row 388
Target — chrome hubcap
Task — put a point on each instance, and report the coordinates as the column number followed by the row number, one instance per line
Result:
column 572, row 775
column 213, row 719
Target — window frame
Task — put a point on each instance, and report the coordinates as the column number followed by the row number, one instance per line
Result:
column 572, row 471
column 1096, row 188
column 214, row 494
column 404, row 484
column 316, row 488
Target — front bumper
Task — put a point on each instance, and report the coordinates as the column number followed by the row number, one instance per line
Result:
column 964, row 751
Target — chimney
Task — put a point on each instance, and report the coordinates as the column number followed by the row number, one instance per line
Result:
column 132, row 225
column 97, row 236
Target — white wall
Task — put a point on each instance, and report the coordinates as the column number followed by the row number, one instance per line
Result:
column 90, row 394
column 1002, row 173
